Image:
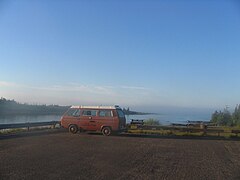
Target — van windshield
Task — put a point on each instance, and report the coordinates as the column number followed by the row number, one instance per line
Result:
column 120, row 113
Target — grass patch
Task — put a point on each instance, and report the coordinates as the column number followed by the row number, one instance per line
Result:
column 10, row 131
column 219, row 131
column 17, row 130
column 180, row 133
column 152, row 121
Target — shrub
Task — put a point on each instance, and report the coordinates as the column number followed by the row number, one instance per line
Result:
column 151, row 121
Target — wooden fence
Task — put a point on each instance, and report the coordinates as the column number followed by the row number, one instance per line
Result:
column 188, row 129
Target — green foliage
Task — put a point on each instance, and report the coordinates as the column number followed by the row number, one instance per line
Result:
column 225, row 118
column 127, row 111
column 151, row 122
column 236, row 116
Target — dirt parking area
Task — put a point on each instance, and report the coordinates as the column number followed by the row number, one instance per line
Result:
column 61, row 155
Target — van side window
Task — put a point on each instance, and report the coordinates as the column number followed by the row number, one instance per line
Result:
column 89, row 113
column 105, row 113
column 73, row 112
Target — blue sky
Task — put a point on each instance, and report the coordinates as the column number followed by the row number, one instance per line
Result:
column 142, row 54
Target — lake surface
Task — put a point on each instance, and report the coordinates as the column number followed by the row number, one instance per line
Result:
column 164, row 119
column 28, row 118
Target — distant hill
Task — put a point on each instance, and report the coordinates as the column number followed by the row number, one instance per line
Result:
column 11, row 107
column 128, row 112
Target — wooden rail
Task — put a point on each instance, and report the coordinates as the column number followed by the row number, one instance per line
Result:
column 187, row 129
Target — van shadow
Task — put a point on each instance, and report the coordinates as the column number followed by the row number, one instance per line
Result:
column 158, row 136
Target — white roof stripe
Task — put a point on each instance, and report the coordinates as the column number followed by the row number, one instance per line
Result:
column 96, row 107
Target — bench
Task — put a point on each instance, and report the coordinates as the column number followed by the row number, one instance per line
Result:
column 236, row 132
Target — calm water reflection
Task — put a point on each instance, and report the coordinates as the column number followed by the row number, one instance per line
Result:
column 27, row 118
column 166, row 119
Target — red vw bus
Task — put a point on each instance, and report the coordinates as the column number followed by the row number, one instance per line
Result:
column 105, row 119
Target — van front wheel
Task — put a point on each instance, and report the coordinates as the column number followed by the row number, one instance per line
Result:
column 106, row 131
column 73, row 129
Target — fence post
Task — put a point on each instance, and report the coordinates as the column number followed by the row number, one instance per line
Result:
column 204, row 128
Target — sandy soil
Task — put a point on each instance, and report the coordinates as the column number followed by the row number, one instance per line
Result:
column 61, row 155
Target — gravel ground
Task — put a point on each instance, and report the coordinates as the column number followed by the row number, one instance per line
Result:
column 60, row 155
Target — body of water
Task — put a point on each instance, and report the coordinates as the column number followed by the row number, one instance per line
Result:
column 28, row 118
column 164, row 119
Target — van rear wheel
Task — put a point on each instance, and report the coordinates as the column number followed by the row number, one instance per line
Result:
column 73, row 129
column 106, row 131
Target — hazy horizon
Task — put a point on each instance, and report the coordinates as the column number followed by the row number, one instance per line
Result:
column 163, row 110
column 150, row 56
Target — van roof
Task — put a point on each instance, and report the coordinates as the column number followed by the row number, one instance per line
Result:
column 96, row 107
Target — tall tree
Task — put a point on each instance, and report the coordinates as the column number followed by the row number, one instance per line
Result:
column 236, row 115
column 222, row 118
column 214, row 118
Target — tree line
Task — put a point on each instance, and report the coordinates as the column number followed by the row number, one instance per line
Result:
column 226, row 118
column 127, row 111
column 11, row 107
